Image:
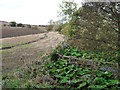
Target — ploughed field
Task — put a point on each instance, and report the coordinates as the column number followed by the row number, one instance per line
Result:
column 20, row 31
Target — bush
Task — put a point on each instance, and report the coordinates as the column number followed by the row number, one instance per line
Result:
column 35, row 27
column 57, row 28
column 29, row 26
column 20, row 25
column 50, row 27
column 13, row 24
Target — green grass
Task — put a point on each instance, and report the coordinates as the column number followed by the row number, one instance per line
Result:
column 7, row 50
column 25, row 45
column 41, row 53
column 10, row 44
column 26, row 77
column 0, row 46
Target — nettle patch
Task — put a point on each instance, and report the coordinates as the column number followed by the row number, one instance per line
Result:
column 71, row 76
column 66, row 75
column 83, row 53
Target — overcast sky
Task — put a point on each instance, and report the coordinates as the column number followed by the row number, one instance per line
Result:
column 35, row 12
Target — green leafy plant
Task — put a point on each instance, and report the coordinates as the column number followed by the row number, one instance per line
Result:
column 72, row 76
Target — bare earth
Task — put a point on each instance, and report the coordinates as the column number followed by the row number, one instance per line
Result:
column 20, row 31
column 25, row 54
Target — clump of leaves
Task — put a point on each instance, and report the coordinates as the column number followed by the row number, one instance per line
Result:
column 83, row 53
column 69, row 75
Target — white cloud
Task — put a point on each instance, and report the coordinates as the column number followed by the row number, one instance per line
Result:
column 29, row 11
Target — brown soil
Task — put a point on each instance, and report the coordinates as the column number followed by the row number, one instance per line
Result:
column 19, row 31
column 25, row 54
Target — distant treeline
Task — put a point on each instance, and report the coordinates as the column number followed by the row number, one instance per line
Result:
column 14, row 24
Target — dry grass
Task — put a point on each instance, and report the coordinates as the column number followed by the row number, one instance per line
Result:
column 25, row 54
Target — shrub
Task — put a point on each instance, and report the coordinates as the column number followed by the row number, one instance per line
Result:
column 13, row 24
column 50, row 27
column 20, row 25
column 29, row 26
column 35, row 27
